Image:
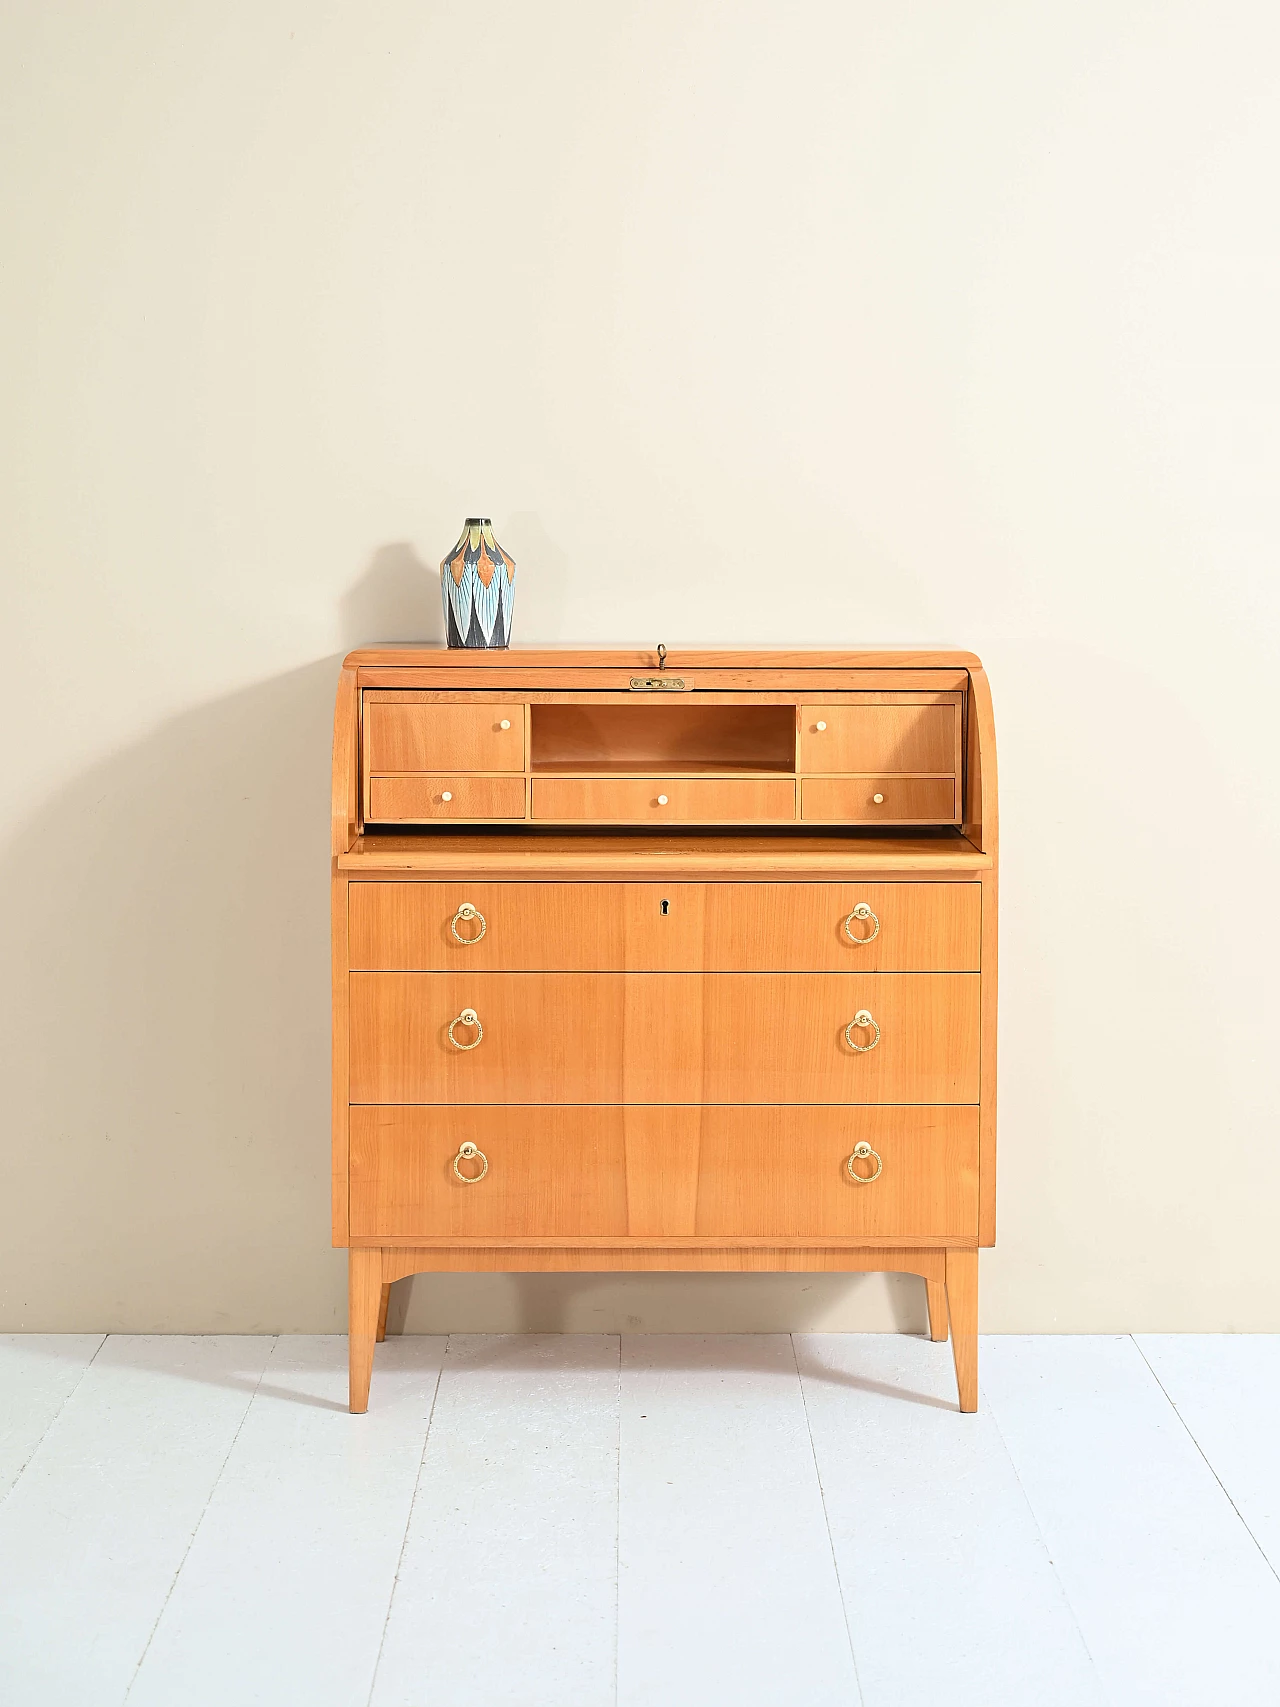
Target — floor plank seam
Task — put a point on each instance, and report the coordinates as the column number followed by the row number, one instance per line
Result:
column 617, row 1543
column 44, row 1433
column 1208, row 1462
column 1044, row 1542
column 195, row 1529
column 826, row 1518
column 408, row 1522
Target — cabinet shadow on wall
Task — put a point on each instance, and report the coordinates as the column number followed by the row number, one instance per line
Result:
column 166, row 1036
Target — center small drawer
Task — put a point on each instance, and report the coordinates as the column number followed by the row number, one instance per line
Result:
column 664, row 800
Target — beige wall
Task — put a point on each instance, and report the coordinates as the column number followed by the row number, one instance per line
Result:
column 804, row 322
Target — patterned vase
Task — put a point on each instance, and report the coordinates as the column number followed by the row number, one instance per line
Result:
column 478, row 586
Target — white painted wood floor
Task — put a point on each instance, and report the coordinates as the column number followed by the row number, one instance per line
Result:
column 566, row 1521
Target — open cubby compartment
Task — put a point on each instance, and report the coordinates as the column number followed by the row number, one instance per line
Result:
column 661, row 737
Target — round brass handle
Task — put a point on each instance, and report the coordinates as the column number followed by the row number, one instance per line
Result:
column 470, row 1152
column 467, row 911
column 819, row 727
column 505, row 724
column 879, row 799
column 862, row 911
column 862, row 1019
column 861, row 1152
column 468, row 1016
column 446, row 795
column 662, row 800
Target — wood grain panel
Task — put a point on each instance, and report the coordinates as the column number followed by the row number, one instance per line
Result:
column 722, row 927
column 635, row 800
column 890, row 739
column 419, row 799
column 583, row 857
column 551, row 1172
column 664, row 1173
column 443, row 737
column 903, row 800
column 780, row 1172
column 664, row 1038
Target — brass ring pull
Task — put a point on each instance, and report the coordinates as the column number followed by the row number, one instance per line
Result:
column 862, row 1019
column 470, row 1152
column 467, row 911
column 468, row 1016
column 860, row 1154
column 862, row 911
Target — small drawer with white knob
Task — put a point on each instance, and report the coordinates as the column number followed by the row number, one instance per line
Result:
column 437, row 736
column 422, row 799
column 878, row 800
column 893, row 739
column 659, row 800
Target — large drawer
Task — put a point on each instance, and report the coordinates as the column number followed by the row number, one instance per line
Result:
column 650, row 927
column 719, row 1173
column 663, row 800
column 656, row 1037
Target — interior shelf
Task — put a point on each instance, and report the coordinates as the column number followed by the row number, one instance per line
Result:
column 648, row 739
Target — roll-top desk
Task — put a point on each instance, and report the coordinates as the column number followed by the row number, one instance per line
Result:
column 678, row 964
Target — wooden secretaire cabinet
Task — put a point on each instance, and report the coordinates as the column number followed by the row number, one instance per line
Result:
column 686, row 964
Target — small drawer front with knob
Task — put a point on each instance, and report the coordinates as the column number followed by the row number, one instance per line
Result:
column 472, row 737
column 419, row 799
column 878, row 800
column 663, row 800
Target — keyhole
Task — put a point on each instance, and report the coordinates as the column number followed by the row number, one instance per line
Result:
column 666, row 907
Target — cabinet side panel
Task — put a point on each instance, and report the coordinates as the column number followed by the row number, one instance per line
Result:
column 987, row 1088
column 341, row 1058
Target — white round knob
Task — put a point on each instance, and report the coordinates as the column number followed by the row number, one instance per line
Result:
column 662, row 800
column 446, row 795
column 819, row 727
column 878, row 798
column 505, row 724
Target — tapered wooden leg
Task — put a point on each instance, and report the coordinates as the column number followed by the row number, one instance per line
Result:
column 382, row 1312
column 364, row 1300
column 962, row 1306
column 936, row 1293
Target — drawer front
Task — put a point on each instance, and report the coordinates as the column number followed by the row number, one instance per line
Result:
column 719, row 1173
column 655, row 1037
column 550, row 1172
column 663, row 800
column 712, row 927
column 419, row 799
column 443, row 737
column 879, row 799
column 889, row 739
column 780, row 1173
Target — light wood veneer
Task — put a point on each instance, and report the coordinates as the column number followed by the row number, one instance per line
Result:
column 664, row 1079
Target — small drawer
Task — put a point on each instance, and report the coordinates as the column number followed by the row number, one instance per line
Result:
column 879, row 800
column 419, row 799
column 880, row 739
column 784, row 1173
column 547, row 1173
column 659, row 800
column 437, row 737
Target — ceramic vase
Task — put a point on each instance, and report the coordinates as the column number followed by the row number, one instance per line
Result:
column 478, row 586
